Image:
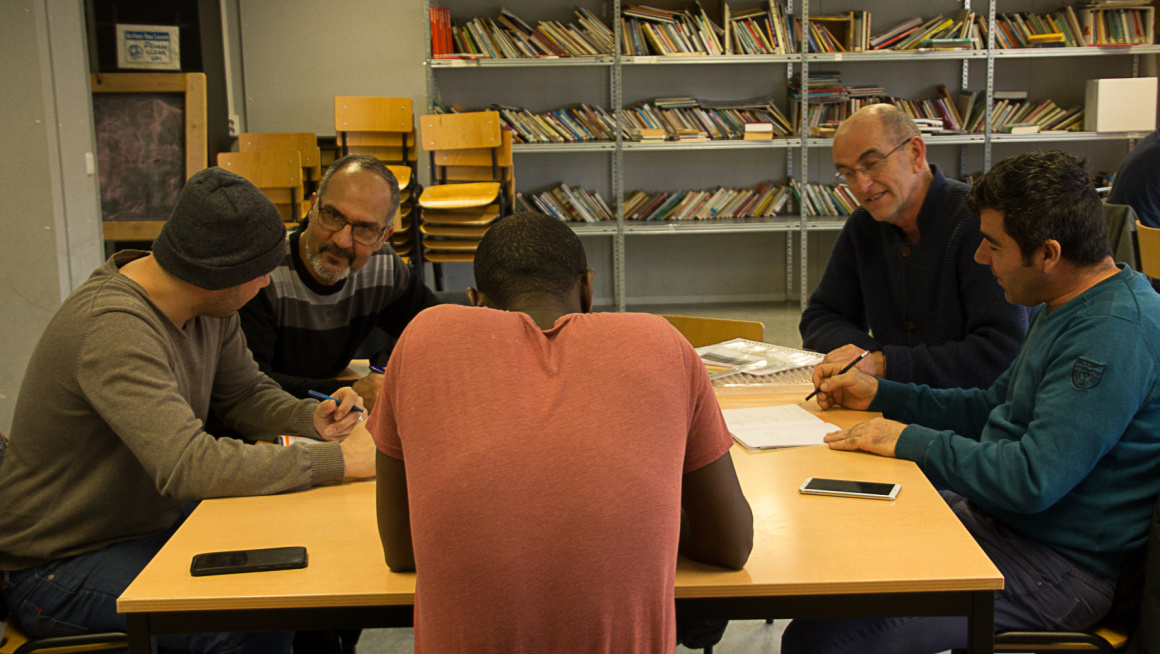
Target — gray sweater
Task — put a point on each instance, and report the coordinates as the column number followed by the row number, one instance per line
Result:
column 107, row 439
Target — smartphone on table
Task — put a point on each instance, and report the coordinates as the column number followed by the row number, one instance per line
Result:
column 848, row 488
column 272, row 558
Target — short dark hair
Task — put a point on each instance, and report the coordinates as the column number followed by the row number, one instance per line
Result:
column 1046, row 196
column 528, row 254
column 371, row 164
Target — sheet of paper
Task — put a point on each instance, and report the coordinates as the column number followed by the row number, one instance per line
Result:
column 766, row 427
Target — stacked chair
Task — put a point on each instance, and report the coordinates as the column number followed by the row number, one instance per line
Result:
column 472, row 182
column 306, row 143
column 277, row 174
column 385, row 129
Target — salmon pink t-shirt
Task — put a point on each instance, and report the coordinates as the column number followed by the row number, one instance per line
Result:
column 544, row 476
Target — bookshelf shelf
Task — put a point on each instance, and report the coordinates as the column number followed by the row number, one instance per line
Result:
column 592, row 229
column 712, row 145
column 521, row 63
column 551, row 148
column 1090, row 51
column 1054, row 137
column 623, row 81
column 896, row 55
column 786, row 223
column 670, row 60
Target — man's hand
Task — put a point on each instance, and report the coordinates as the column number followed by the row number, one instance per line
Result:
column 333, row 422
column 875, row 364
column 877, row 435
column 852, row 390
column 358, row 454
column 368, row 389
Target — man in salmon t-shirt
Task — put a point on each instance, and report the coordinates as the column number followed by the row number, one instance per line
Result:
column 539, row 456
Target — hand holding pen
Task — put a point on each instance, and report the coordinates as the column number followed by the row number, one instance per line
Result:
column 845, row 369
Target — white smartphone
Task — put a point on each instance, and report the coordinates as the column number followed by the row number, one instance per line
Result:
column 870, row 489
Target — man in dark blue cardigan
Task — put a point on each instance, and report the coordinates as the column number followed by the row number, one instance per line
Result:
column 902, row 281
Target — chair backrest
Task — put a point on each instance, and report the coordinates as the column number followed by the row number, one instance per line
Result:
column 306, row 143
column 1121, row 220
column 382, row 127
column 277, row 174
column 469, row 147
column 1149, row 241
column 707, row 331
column 1146, row 636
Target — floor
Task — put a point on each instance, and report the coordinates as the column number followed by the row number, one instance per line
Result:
column 742, row 636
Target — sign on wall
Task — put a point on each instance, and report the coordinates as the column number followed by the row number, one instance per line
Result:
column 150, row 47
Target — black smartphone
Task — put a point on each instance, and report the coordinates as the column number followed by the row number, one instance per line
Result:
column 847, row 488
column 224, row 563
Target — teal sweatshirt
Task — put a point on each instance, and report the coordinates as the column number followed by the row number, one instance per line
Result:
column 1065, row 446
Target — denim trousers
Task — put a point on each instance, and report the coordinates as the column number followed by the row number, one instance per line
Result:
column 79, row 595
column 1042, row 589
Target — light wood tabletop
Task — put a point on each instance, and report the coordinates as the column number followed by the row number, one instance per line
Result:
column 804, row 545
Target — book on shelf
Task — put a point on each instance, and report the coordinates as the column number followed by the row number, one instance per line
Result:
column 1021, row 128
column 895, row 33
column 1009, row 95
column 646, row 134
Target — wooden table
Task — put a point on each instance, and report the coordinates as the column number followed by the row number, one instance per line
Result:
column 813, row 556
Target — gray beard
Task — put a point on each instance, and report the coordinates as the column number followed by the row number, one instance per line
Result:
column 320, row 269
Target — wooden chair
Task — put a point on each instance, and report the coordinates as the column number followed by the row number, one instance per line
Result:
column 1148, row 239
column 707, row 331
column 13, row 640
column 384, row 128
column 473, row 184
column 306, row 143
column 277, row 174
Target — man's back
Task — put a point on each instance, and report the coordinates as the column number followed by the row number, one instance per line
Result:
column 545, row 476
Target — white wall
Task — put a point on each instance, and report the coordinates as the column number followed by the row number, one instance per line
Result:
column 50, row 240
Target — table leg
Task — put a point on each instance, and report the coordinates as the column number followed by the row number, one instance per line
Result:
column 140, row 640
column 981, row 623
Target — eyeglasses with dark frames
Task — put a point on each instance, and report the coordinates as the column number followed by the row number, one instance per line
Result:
column 869, row 168
column 333, row 221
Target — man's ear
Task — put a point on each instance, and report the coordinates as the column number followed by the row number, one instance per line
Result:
column 1052, row 254
column 477, row 299
column 585, row 286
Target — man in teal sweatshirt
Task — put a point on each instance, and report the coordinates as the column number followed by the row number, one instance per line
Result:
column 1055, row 468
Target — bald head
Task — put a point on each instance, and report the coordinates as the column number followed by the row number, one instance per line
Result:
column 884, row 119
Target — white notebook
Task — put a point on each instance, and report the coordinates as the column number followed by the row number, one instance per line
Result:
column 768, row 427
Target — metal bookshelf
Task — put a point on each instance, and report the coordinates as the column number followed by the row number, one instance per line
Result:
column 782, row 69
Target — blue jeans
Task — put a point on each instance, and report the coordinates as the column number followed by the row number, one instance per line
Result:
column 1042, row 589
column 79, row 595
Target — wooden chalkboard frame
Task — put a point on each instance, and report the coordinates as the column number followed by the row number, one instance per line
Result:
column 192, row 86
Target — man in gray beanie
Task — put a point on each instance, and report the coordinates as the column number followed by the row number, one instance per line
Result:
column 107, row 442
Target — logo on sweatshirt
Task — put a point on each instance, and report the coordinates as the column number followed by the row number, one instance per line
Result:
column 1085, row 374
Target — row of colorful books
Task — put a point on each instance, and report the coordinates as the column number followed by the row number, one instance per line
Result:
column 715, row 121
column 763, row 201
column 824, row 200
column 566, row 203
column 510, row 37
column 575, row 124
column 771, row 29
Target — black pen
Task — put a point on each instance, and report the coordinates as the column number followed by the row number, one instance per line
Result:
column 848, row 367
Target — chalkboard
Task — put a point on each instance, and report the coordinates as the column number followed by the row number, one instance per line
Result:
column 140, row 153
column 151, row 137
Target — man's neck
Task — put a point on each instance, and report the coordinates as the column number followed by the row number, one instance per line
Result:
column 545, row 313
column 907, row 219
column 166, row 291
column 1078, row 281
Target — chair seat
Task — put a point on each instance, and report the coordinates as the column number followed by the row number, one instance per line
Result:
column 449, row 257
column 459, row 196
column 403, row 174
column 454, row 231
column 452, row 245
column 483, row 216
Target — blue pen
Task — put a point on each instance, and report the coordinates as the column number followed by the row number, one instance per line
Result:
column 378, row 369
column 324, row 396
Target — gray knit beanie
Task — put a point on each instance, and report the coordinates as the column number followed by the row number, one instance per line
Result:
column 223, row 232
